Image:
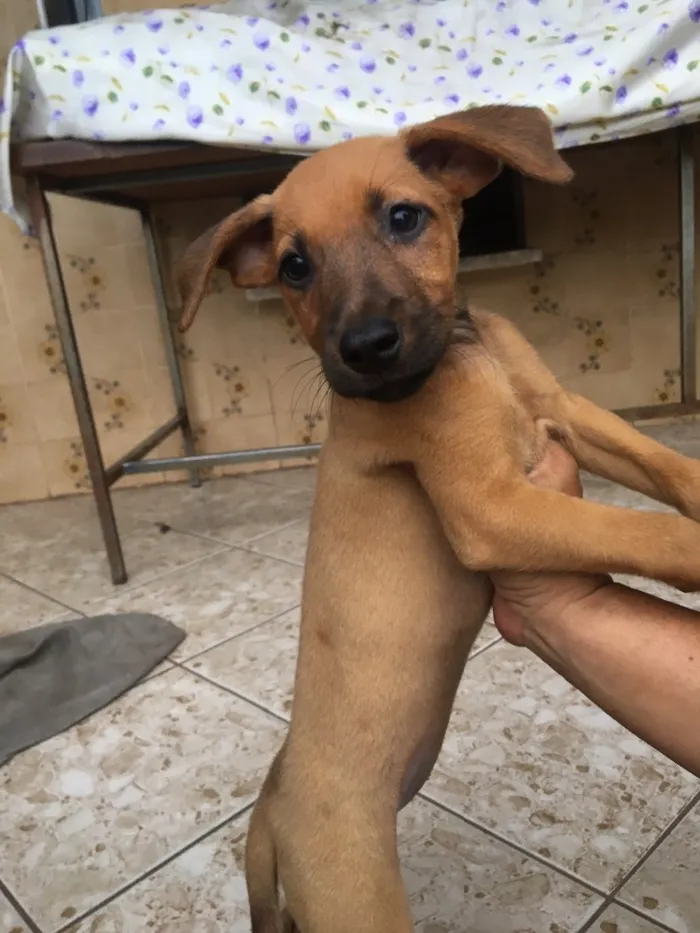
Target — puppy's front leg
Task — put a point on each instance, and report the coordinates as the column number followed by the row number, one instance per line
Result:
column 511, row 525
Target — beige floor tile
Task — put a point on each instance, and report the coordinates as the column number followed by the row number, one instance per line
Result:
column 288, row 543
column 56, row 547
column 530, row 757
column 10, row 920
column 618, row 920
column 201, row 891
column 94, row 808
column 21, row 608
column 232, row 509
column 299, row 479
column 486, row 638
column 666, row 886
column 216, row 599
column 258, row 665
column 458, row 877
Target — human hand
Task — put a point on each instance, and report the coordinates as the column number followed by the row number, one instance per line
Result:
column 522, row 601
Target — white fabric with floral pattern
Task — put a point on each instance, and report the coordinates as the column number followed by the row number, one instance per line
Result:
column 304, row 75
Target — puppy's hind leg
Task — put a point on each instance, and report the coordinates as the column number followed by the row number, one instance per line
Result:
column 266, row 915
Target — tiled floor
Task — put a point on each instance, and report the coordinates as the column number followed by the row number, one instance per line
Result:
column 542, row 815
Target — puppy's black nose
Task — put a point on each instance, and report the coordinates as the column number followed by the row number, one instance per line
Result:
column 373, row 347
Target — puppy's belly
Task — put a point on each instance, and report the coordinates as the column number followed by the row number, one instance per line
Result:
column 418, row 769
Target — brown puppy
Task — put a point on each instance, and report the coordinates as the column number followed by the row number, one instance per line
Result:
column 415, row 496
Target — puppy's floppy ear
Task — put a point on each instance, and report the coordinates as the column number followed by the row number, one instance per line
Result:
column 242, row 244
column 464, row 151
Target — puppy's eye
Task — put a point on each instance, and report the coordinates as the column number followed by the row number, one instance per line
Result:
column 406, row 221
column 295, row 270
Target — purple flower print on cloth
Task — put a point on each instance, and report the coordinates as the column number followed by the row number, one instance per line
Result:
column 586, row 50
column 673, row 111
column 239, row 121
column 346, row 135
column 90, row 106
column 621, row 93
column 356, row 46
column 367, row 64
column 411, row 68
column 3, row 108
column 195, row 116
column 305, row 47
column 56, row 115
column 462, row 55
column 513, row 30
column 154, row 24
column 452, row 99
column 127, row 57
column 563, row 80
column 290, row 105
column 261, row 41
column 54, row 40
column 234, row 73
column 332, row 68
column 407, row 30
column 159, row 124
column 303, row 20
column 694, row 11
column 267, row 140
column 342, row 92
column 225, row 43
column 302, row 133
column 119, row 29
column 78, row 78
column 671, row 58
column 400, row 118
column 163, row 50
column 133, row 105
column 571, row 37
column 474, row 70
column 184, row 89
column 440, row 79
column 252, row 21
column 270, row 67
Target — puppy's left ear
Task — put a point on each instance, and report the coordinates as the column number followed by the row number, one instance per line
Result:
column 464, row 151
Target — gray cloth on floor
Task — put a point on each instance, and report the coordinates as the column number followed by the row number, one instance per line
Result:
column 55, row 675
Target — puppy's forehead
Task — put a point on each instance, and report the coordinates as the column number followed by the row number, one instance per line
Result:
column 331, row 190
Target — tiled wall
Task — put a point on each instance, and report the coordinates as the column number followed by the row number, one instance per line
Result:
column 602, row 308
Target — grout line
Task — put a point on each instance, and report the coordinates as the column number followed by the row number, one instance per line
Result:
column 613, row 896
column 494, row 834
column 225, row 641
column 37, row 592
column 232, row 692
column 214, row 540
column 639, row 913
column 19, row 909
column 655, row 845
column 74, row 921
column 282, row 560
column 492, row 644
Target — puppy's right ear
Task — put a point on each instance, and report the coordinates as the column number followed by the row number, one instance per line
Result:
column 241, row 244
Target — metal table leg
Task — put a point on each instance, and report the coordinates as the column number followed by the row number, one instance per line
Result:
column 686, row 188
column 155, row 264
column 41, row 217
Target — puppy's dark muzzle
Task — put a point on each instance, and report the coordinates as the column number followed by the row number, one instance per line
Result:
column 373, row 348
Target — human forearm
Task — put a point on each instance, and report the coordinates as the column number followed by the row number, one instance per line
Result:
column 635, row 656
